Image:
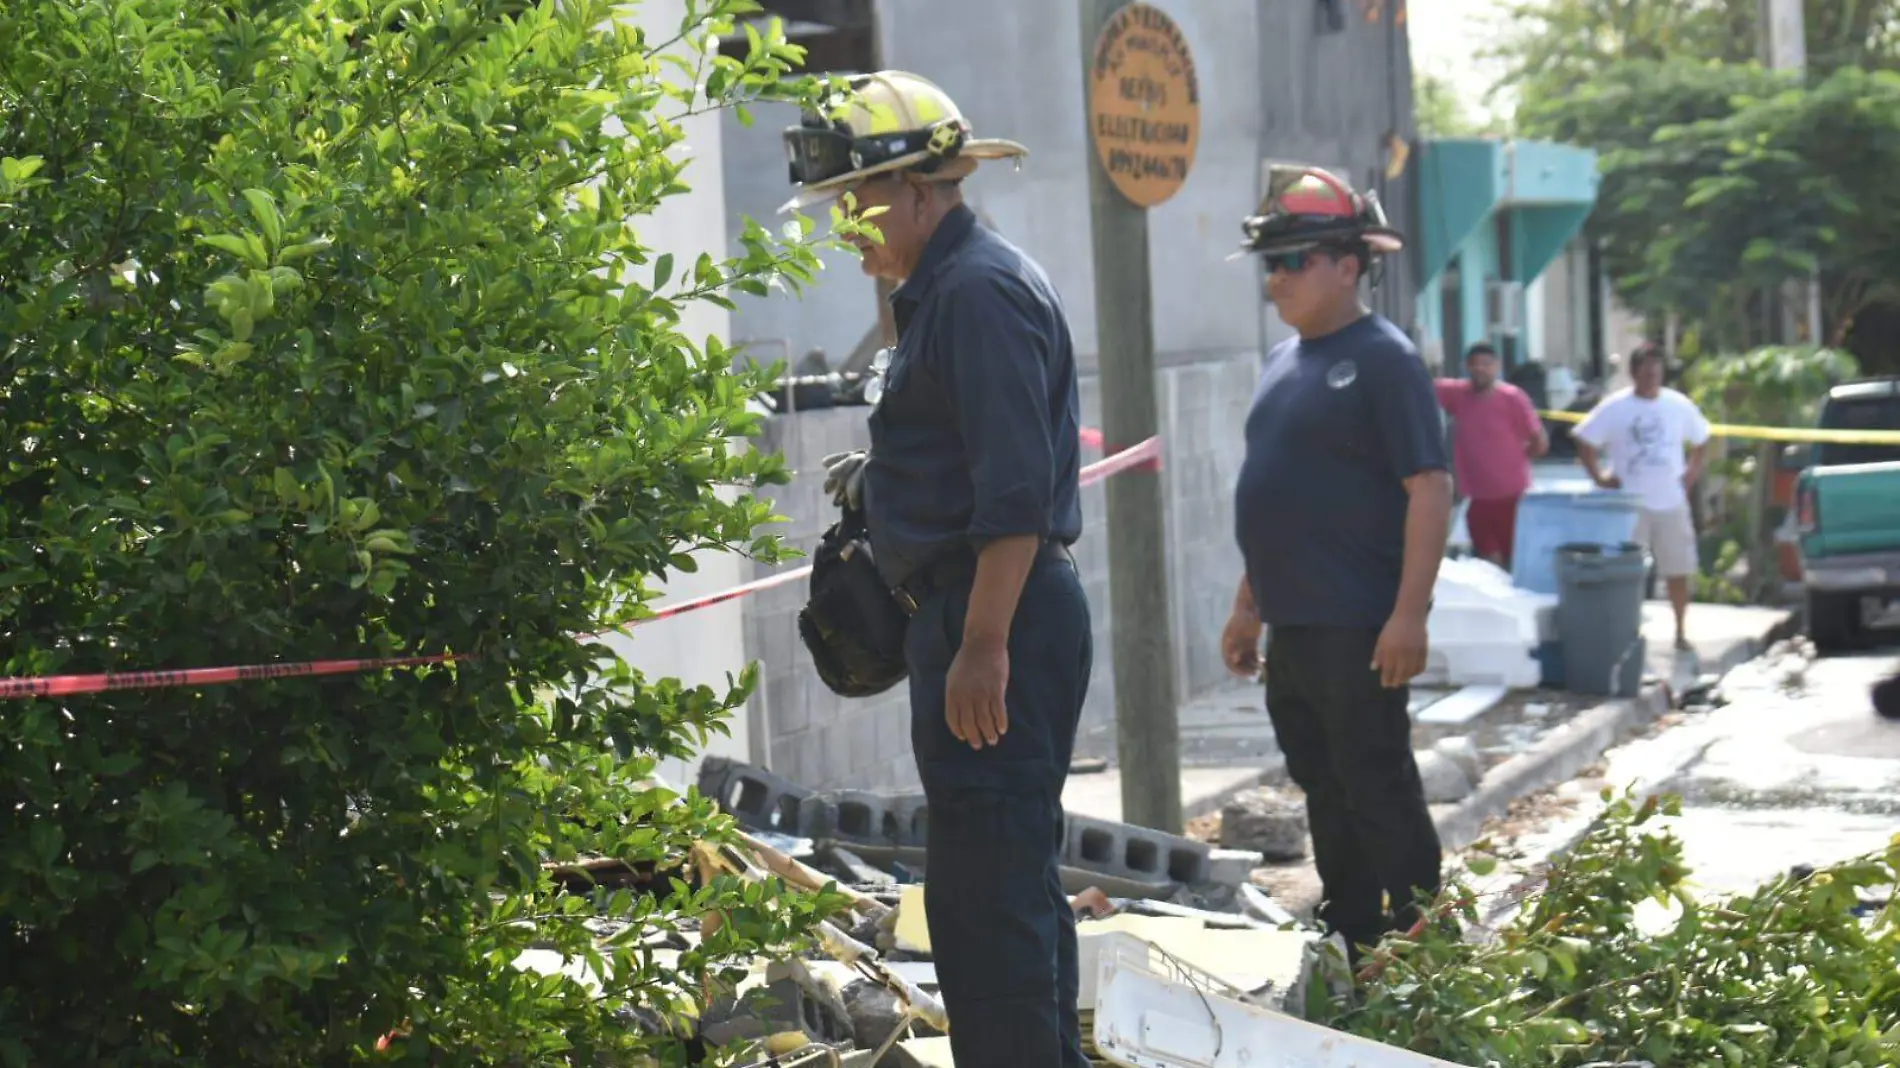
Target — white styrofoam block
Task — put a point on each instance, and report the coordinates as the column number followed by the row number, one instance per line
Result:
column 1232, row 867
column 1480, row 664
column 1496, row 623
column 1464, row 706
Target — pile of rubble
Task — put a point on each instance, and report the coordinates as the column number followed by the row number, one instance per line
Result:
column 1189, row 902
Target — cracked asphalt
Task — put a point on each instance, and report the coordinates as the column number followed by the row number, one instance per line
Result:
column 1794, row 769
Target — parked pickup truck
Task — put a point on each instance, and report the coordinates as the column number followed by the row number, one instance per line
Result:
column 1848, row 513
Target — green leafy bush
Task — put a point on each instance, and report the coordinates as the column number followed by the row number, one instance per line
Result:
column 326, row 330
column 1786, row 975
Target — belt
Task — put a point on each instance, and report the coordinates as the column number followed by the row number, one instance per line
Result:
column 956, row 567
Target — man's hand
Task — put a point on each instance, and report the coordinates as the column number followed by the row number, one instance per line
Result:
column 973, row 694
column 1400, row 655
column 1240, row 644
column 1608, row 482
column 844, row 478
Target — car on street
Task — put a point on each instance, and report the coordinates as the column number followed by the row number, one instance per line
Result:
column 1847, row 506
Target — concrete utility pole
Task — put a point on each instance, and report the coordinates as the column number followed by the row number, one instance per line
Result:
column 1148, row 739
column 1784, row 46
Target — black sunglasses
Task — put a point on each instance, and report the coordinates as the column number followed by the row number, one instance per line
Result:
column 1291, row 262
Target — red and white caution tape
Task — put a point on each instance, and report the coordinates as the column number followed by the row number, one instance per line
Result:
column 1147, row 454
column 65, row 685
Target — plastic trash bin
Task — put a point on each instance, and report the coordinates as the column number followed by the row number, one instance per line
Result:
column 1600, row 617
column 1548, row 519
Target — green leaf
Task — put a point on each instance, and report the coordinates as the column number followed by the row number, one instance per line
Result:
column 264, row 210
column 662, row 271
column 236, row 245
column 14, row 171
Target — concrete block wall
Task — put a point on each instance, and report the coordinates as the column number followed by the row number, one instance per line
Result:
column 825, row 742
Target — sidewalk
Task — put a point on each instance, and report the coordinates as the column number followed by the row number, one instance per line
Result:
column 1227, row 743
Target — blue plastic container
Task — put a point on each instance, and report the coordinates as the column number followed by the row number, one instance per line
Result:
column 1550, row 659
column 1547, row 520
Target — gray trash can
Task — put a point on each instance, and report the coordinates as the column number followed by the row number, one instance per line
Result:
column 1600, row 617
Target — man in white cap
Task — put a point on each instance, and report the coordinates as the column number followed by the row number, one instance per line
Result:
column 970, row 497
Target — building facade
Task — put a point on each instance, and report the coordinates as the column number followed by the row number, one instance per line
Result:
column 1494, row 218
column 1323, row 82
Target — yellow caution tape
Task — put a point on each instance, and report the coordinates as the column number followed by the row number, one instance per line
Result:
column 1791, row 435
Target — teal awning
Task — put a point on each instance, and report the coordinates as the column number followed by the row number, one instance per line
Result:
column 1544, row 191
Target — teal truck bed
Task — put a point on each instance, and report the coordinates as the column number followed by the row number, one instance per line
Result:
column 1848, row 512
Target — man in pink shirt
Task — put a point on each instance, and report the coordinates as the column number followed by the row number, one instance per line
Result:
column 1497, row 433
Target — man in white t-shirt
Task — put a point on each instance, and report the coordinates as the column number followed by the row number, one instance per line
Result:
column 1655, row 439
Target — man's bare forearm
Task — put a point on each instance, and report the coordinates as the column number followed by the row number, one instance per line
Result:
column 1427, row 526
column 1243, row 599
column 1698, row 460
column 1001, row 569
column 1587, row 456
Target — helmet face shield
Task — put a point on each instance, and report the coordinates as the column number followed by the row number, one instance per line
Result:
column 821, row 154
column 816, row 155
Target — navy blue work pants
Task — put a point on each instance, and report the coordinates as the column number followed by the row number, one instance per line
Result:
column 1348, row 745
column 1001, row 930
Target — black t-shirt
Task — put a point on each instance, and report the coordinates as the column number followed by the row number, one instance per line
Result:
column 1338, row 423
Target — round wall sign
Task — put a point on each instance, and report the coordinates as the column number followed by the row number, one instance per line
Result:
column 1144, row 104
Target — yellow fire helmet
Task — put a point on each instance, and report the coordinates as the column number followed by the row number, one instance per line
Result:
column 893, row 120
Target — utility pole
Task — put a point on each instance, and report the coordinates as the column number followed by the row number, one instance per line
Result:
column 1130, row 99
column 1784, row 47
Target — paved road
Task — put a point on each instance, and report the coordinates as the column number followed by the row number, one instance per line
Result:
column 1796, row 768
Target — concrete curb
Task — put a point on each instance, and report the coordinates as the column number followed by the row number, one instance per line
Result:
column 1563, row 753
column 1566, row 751
column 1558, row 757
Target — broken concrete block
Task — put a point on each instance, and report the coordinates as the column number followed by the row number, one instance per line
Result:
column 1131, row 852
column 875, row 1013
column 784, row 996
column 1265, row 822
column 1464, row 753
column 1444, row 780
column 758, row 799
column 1231, row 867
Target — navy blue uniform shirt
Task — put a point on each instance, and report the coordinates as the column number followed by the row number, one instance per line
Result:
column 975, row 437
column 1338, row 423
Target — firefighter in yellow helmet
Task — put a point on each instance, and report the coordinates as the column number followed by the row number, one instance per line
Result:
column 969, row 496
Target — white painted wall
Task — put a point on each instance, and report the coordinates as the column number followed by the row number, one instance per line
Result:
column 705, row 646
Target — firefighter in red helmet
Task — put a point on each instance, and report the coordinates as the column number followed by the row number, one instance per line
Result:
column 1341, row 511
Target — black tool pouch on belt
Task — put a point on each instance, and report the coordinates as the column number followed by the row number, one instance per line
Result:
column 852, row 625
